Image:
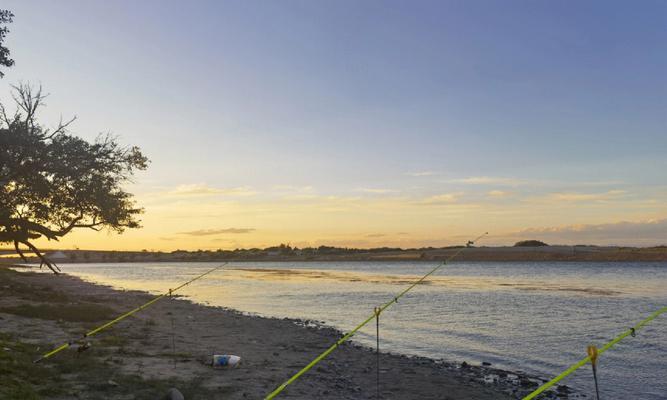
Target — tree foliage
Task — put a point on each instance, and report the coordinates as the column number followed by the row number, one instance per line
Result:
column 52, row 182
column 6, row 17
column 530, row 243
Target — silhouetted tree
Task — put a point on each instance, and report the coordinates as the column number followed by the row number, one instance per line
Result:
column 6, row 17
column 52, row 182
column 530, row 243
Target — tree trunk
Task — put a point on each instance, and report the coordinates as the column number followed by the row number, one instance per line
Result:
column 52, row 266
column 20, row 253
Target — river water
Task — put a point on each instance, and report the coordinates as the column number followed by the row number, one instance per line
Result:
column 531, row 317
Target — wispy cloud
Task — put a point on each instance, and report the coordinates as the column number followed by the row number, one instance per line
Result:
column 293, row 188
column 444, row 198
column 212, row 232
column 577, row 197
column 488, row 180
column 291, row 192
column 201, row 189
column 498, row 193
column 651, row 231
column 421, row 173
column 375, row 235
column 376, row 190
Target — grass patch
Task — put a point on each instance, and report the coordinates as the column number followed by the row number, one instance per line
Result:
column 20, row 378
column 65, row 312
column 176, row 355
column 26, row 291
column 113, row 340
column 69, row 375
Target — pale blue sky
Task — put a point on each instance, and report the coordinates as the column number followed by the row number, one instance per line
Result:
column 338, row 97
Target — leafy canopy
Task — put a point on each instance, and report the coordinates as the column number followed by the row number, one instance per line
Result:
column 52, row 182
column 6, row 17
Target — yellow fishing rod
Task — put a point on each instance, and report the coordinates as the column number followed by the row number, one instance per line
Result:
column 594, row 353
column 122, row 317
column 375, row 314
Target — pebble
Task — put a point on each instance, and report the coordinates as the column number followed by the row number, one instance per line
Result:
column 174, row 394
column 527, row 383
column 563, row 389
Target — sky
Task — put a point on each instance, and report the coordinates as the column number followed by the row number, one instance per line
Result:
column 365, row 123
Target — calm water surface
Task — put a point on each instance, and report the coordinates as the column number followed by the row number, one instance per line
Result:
column 533, row 317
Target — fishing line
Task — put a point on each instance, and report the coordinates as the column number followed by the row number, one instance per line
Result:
column 122, row 317
column 173, row 336
column 351, row 333
column 630, row 332
column 377, row 351
column 593, row 355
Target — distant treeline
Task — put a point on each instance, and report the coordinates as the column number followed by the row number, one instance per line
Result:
column 280, row 251
column 529, row 250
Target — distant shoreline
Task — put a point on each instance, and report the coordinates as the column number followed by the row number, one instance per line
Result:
column 490, row 254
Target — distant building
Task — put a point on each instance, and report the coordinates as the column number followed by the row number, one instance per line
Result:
column 56, row 256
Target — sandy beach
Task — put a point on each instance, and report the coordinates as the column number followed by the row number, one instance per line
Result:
column 169, row 345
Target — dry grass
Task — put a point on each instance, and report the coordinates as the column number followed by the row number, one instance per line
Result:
column 84, row 375
column 62, row 312
column 22, row 379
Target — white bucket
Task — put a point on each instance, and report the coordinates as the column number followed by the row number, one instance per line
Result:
column 225, row 361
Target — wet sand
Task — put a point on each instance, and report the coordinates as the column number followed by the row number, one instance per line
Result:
column 170, row 343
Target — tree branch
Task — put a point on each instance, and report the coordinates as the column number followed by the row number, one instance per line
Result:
column 20, row 253
column 62, row 128
column 52, row 266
